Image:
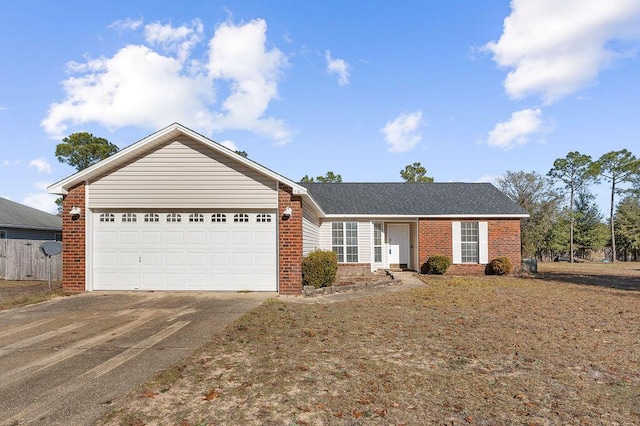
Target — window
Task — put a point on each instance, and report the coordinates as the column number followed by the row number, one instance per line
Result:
column 174, row 218
column 263, row 218
column 129, row 217
column 241, row 217
column 218, row 217
column 107, row 217
column 151, row 217
column 344, row 241
column 377, row 242
column 196, row 217
column 469, row 242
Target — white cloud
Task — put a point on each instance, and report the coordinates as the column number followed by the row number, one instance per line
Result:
column 518, row 130
column 230, row 144
column 41, row 201
column 126, row 24
column 555, row 48
column 337, row 66
column 41, row 165
column 238, row 54
column 403, row 133
column 487, row 179
column 138, row 86
column 5, row 163
column 179, row 40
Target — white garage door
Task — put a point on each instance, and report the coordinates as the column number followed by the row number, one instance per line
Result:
column 184, row 251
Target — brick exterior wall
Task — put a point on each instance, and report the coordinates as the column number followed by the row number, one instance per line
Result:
column 73, row 241
column 289, row 242
column 435, row 236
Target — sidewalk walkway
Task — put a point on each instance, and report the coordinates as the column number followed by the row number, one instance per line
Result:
column 403, row 281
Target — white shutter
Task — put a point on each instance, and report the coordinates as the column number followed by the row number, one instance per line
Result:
column 457, row 246
column 483, row 244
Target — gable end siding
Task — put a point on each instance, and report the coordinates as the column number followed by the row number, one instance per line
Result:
column 183, row 174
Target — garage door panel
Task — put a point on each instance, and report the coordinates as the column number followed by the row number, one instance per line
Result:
column 196, row 259
column 184, row 255
column 129, row 238
column 129, row 258
column 173, row 258
column 241, row 238
column 174, row 238
column 153, row 238
column 196, row 239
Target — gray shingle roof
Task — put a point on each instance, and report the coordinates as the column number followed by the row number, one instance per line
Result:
column 419, row 199
column 15, row 215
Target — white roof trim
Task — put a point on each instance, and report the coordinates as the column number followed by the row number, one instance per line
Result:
column 426, row 216
column 161, row 136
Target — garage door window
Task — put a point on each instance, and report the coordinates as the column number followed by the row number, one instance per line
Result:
column 107, row 217
column 129, row 218
column 218, row 217
column 196, row 217
column 151, row 218
column 241, row 217
column 174, row 218
column 263, row 218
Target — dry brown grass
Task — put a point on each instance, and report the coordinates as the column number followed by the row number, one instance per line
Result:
column 20, row 293
column 460, row 350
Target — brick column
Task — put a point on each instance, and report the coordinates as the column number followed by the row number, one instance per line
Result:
column 289, row 242
column 73, row 241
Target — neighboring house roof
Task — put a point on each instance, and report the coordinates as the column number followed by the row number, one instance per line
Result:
column 16, row 215
column 413, row 199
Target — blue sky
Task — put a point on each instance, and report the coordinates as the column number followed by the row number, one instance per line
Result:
column 470, row 89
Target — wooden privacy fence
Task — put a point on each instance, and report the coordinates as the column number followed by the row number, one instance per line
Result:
column 23, row 260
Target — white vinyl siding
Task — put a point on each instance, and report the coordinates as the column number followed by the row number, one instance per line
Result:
column 183, row 174
column 413, row 246
column 310, row 231
column 463, row 244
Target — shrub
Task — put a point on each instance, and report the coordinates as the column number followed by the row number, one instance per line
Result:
column 437, row 264
column 319, row 268
column 500, row 266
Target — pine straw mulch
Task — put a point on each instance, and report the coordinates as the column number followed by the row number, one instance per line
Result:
column 558, row 349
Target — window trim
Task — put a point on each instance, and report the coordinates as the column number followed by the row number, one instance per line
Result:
column 483, row 244
column 151, row 218
column 219, row 218
column 174, row 218
column 196, row 218
column 240, row 218
column 342, row 249
column 107, row 218
column 129, row 218
column 373, row 242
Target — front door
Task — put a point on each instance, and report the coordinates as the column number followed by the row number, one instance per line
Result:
column 398, row 245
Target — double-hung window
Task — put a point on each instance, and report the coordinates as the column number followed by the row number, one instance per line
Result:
column 469, row 242
column 377, row 242
column 344, row 241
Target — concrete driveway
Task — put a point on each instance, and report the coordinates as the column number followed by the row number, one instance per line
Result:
column 62, row 362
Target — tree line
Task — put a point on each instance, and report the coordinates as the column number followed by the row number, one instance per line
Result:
column 564, row 218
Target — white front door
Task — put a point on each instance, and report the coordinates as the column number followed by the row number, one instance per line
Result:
column 398, row 245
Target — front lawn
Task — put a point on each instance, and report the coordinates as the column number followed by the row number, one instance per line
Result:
column 558, row 349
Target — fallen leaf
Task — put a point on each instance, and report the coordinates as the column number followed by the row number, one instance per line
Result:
column 148, row 394
column 338, row 414
column 320, row 405
column 381, row 412
column 212, row 394
column 357, row 414
column 304, row 408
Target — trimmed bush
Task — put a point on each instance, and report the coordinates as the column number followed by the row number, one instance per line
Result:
column 500, row 266
column 437, row 264
column 319, row 268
